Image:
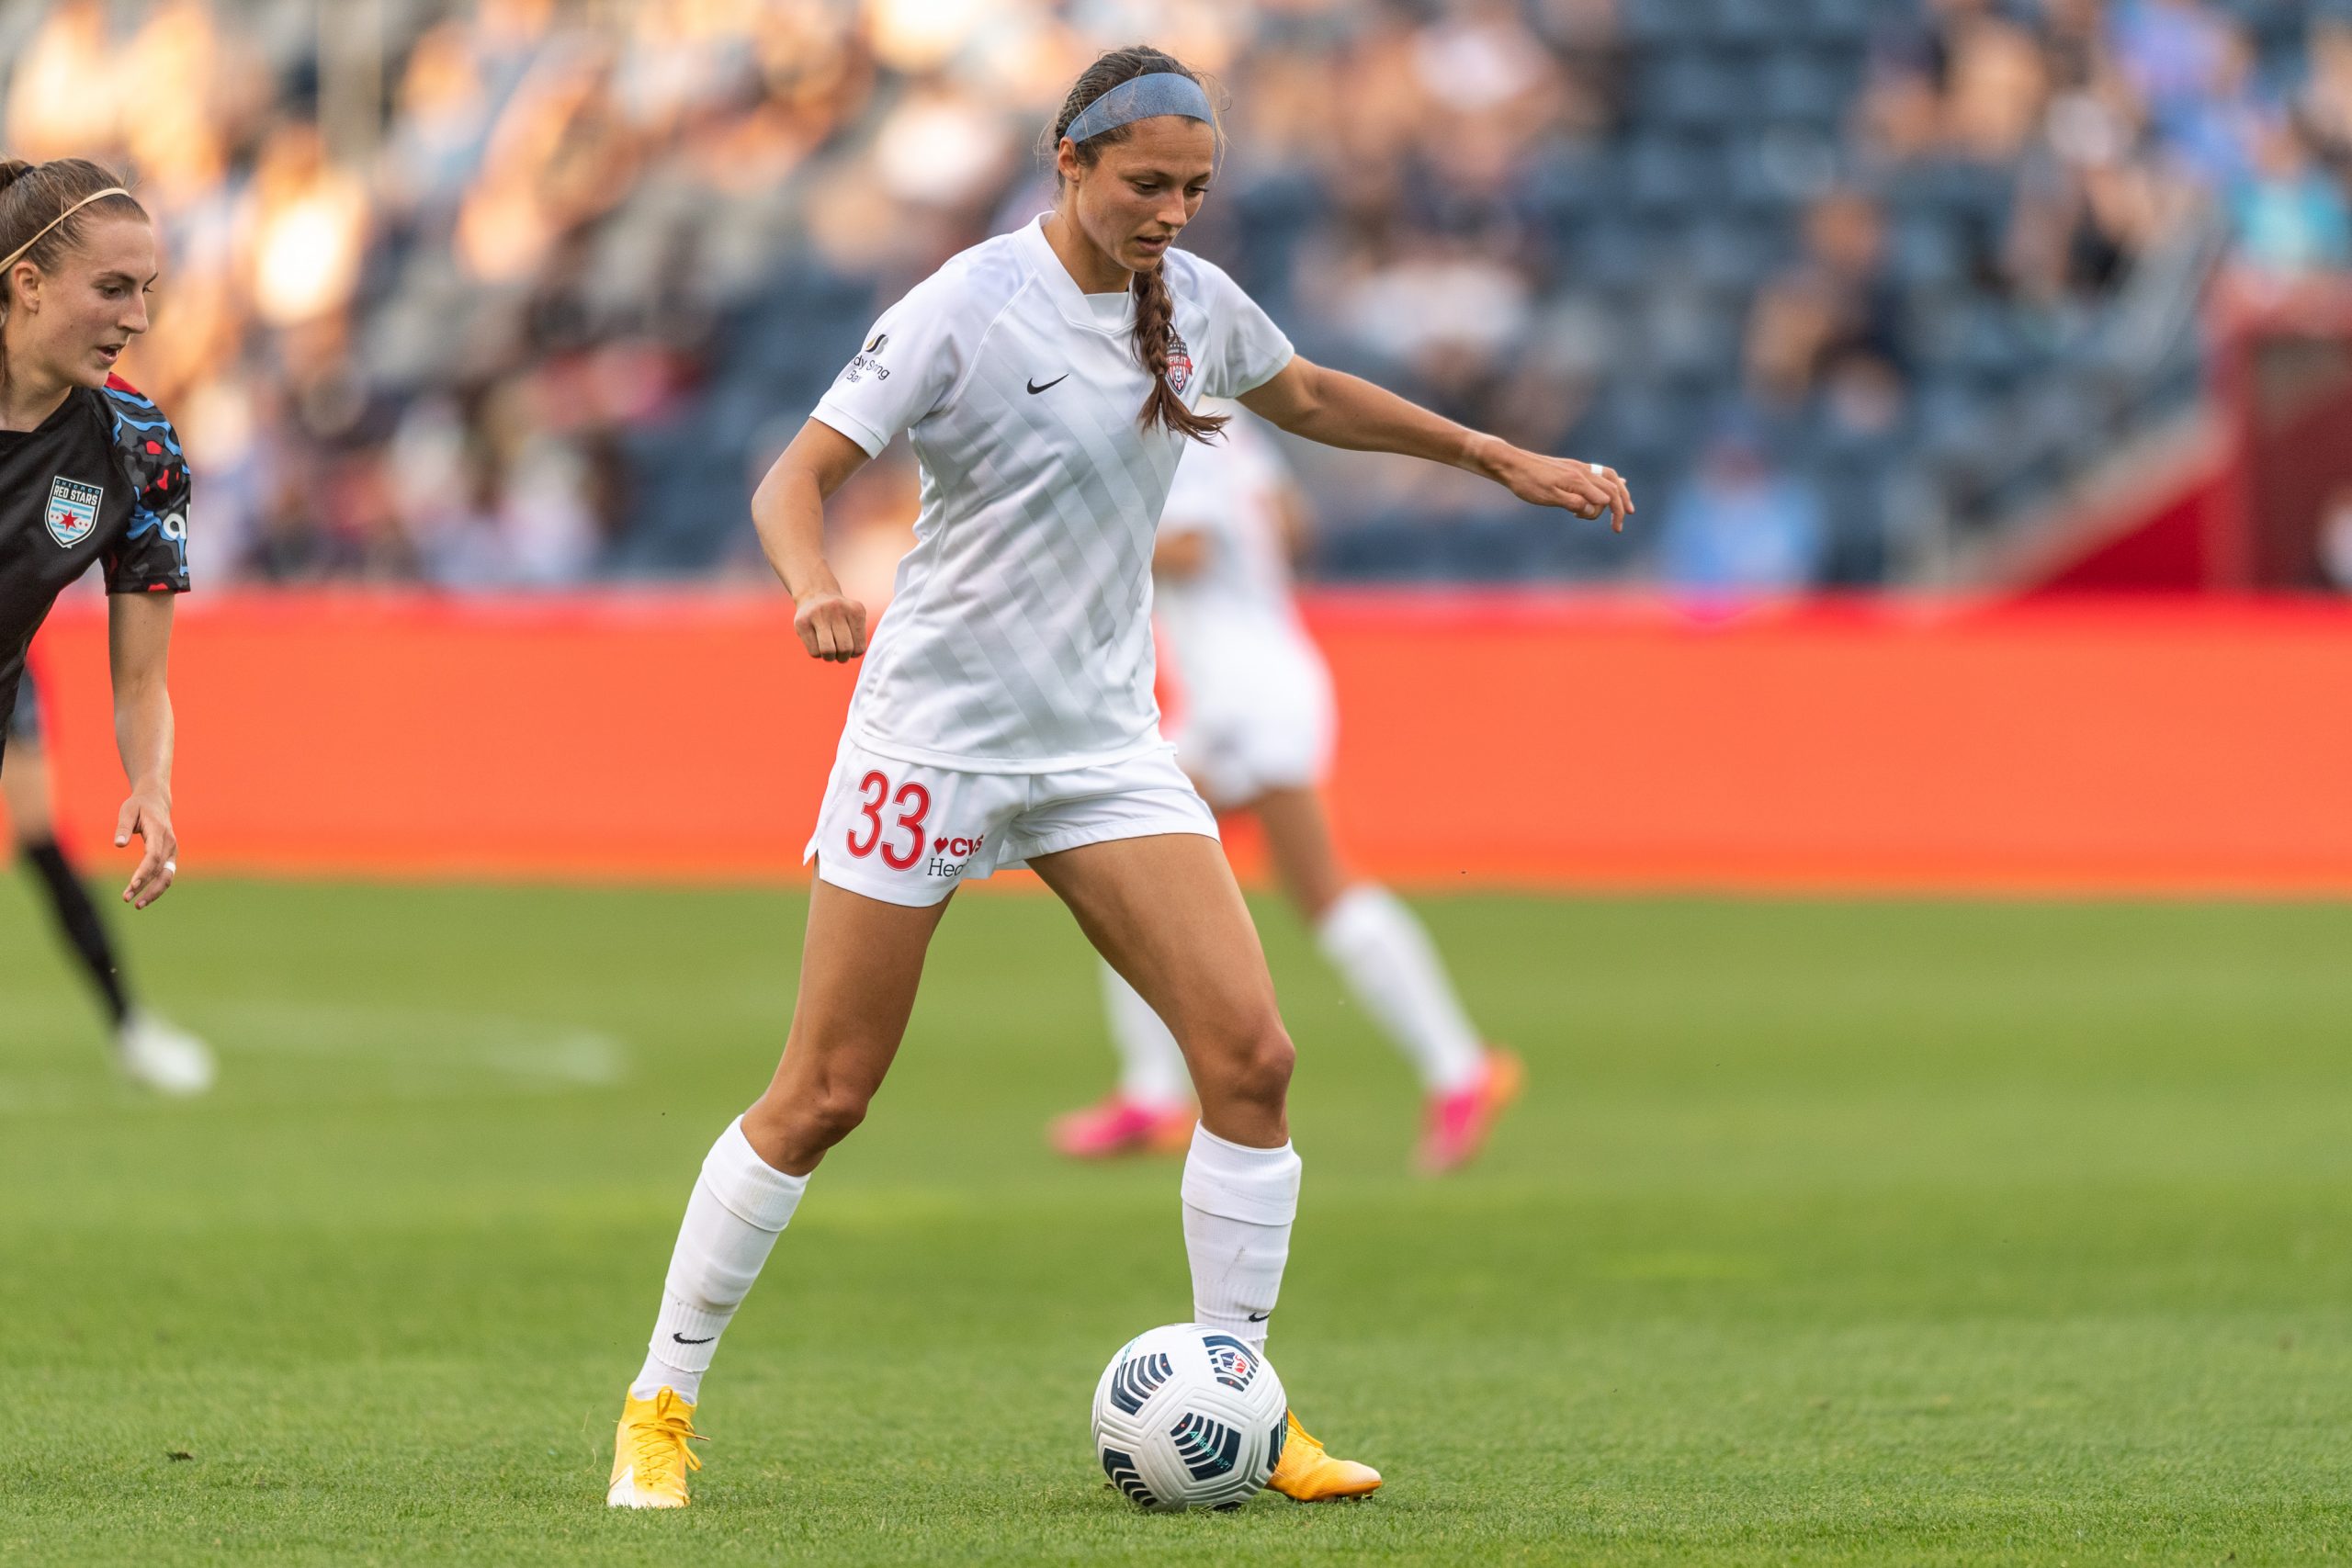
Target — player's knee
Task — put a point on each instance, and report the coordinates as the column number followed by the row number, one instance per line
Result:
column 794, row 1125
column 1262, row 1062
column 831, row 1112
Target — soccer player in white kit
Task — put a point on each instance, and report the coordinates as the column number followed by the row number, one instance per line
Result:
column 1048, row 379
column 1254, row 731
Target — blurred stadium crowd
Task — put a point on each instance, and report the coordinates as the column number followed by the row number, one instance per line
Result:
column 528, row 292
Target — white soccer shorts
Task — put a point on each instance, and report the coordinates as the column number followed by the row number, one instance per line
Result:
column 911, row 834
column 1256, row 714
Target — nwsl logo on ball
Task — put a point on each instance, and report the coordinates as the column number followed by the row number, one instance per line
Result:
column 72, row 511
column 1231, row 1362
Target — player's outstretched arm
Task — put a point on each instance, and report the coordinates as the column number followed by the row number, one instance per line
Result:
column 139, row 642
column 1340, row 410
column 789, row 509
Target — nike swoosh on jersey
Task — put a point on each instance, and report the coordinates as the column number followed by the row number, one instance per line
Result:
column 1034, row 388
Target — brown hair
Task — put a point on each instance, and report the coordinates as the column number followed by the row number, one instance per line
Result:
column 1155, row 327
column 32, row 196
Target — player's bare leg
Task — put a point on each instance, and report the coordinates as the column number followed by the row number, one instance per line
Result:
column 861, row 961
column 1389, row 963
column 1165, row 911
column 1305, row 854
column 1150, row 1111
column 148, row 1049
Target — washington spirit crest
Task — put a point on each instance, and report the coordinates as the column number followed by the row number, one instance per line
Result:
column 72, row 511
column 1180, row 362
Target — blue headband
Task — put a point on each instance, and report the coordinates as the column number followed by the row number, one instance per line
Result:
column 1141, row 97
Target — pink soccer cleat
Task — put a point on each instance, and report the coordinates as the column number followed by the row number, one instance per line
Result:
column 1456, row 1124
column 1124, row 1126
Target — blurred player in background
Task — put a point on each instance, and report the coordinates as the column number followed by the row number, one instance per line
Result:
column 1047, row 380
column 90, row 474
column 1254, row 730
column 147, row 1049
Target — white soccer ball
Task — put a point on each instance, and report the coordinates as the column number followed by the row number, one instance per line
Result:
column 1189, row 1417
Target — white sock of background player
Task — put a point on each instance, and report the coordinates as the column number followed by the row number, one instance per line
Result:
column 1385, row 957
column 1389, row 962
column 1238, row 1204
column 1151, row 1064
column 740, row 1205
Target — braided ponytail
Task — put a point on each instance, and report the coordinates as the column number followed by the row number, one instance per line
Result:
column 1154, row 341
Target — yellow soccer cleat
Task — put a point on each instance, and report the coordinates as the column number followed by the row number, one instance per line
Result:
column 650, row 1453
column 1307, row 1474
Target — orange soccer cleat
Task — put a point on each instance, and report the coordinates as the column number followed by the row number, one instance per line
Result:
column 1306, row 1474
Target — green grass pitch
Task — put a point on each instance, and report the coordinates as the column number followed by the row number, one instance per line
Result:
column 1868, row 1232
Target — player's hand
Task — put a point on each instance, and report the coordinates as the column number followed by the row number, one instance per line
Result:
column 1588, row 490
column 147, row 815
column 831, row 627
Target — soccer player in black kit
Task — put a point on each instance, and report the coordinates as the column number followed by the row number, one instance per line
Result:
column 91, row 472
column 147, row 1048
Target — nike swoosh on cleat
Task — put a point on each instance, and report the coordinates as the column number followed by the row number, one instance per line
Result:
column 683, row 1340
column 1034, row 388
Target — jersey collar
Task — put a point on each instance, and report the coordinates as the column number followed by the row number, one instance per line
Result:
column 1061, row 288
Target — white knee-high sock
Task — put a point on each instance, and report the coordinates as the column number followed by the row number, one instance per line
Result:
column 1389, row 962
column 1151, row 1066
column 1238, row 1204
column 740, row 1205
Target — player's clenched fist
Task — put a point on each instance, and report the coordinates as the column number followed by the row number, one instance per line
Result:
column 831, row 627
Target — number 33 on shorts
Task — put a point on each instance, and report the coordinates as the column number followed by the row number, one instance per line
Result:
column 911, row 834
column 901, row 831
column 911, row 800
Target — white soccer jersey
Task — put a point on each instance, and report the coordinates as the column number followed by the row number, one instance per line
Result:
column 1253, row 695
column 1230, row 493
column 1019, row 635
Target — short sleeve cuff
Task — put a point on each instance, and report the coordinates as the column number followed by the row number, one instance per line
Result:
column 1275, row 364
column 831, row 413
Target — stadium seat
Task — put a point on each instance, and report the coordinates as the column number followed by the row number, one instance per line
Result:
column 1649, row 23
column 1798, row 86
column 1841, row 22
column 1381, row 549
column 1672, row 175
column 1693, row 91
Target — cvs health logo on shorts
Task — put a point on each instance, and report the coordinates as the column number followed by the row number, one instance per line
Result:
column 948, row 855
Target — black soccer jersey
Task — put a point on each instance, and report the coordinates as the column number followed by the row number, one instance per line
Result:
column 101, row 481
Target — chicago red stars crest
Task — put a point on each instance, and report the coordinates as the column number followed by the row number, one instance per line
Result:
column 1180, row 362
column 72, row 512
